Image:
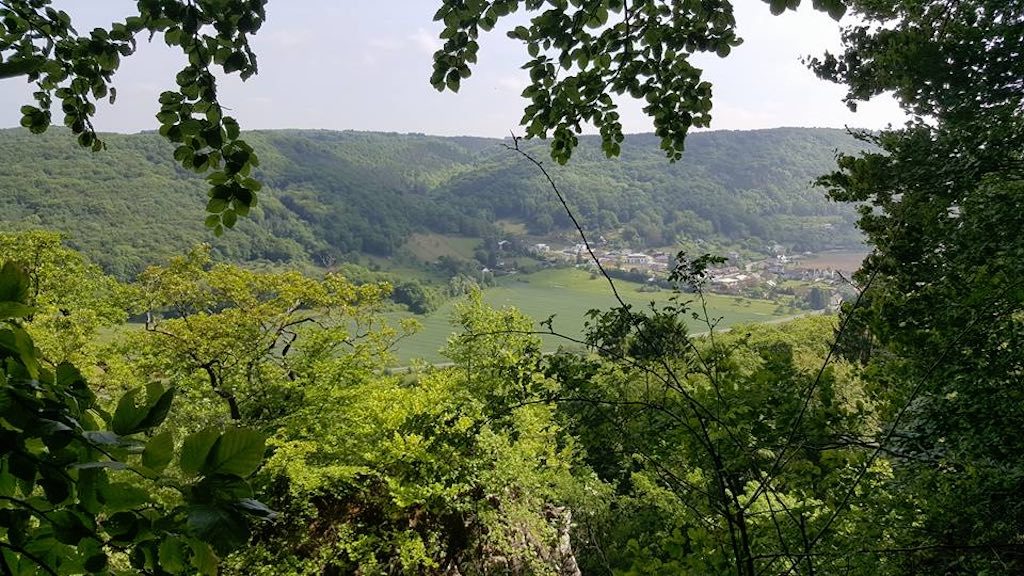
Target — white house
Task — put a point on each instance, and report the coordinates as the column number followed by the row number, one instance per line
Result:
column 638, row 258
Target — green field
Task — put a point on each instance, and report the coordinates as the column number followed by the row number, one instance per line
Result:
column 430, row 247
column 568, row 294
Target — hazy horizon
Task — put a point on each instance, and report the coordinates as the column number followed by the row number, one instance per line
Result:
column 693, row 132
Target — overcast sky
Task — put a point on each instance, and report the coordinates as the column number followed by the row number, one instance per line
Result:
column 365, row 64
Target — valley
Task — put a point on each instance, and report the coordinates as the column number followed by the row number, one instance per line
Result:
column 436, row 217
column 361, row 197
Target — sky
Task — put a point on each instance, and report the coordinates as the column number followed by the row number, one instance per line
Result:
column 365, row 65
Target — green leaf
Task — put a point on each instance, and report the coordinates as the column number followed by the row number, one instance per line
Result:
column 519, row 33
column 56, row 489
column 252, row 184
column 224, row 487
column 169, row 117
column 122, row 526
column 170, row 98
column 8, row 484
column 103, row 438
column 159, row 451
column 68, row 376
column 128, row 415
column 196, row 449
column 96, row 563
column 17, row 341
column 216, row 205
column 776, row 6
column 231, row 127
column 835, row 8
column 237, row 61
column 21, row 66
column 90, row 482
column 203, row 558
column 256, row 508
column 14, row 283
column 121, row 496
column 172, row 555
column 453, row 80
column 222, row 527
column 159, row 400
column 172, row 36
column 68, row 527
column 15, row 310
column 229, row 217
column 100, row 464
column 239, row 451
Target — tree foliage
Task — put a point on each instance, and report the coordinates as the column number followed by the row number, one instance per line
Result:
column 442, row 473
column 74, row 70
column 237, row 336
column 942, row 319
column 584, row 53
column 71, row 298
column 728, row 453
column 369, row 472
column 87, row 490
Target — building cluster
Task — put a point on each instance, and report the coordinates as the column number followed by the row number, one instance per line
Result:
column 735, row 276
column 769, row 271
column 625, row 258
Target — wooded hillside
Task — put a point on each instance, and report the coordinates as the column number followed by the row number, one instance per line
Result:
column 328, row 194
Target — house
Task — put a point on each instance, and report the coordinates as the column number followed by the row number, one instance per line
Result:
column 638, row 258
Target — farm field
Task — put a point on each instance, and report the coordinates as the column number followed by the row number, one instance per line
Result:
column 847, row 262
column 430, row 247
column 568, row 294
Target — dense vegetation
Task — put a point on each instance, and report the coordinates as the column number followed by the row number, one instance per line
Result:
column 882, row 442
column 507, row 461
column 328, row 195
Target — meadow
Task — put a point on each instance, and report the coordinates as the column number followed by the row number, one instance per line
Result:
column 843, row 260
column 568, row 294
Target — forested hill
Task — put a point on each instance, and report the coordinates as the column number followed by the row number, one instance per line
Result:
column 330, row 194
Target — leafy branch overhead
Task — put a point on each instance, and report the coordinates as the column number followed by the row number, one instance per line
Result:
column 584, row 52
column 75, row 70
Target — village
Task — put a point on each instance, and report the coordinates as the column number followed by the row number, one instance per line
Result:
column 739, row 274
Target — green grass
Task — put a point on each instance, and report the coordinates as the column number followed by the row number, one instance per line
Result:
column 513, row 227
column 846, row 261
column 107, row 334
column 430, row 247
column 568, row 294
